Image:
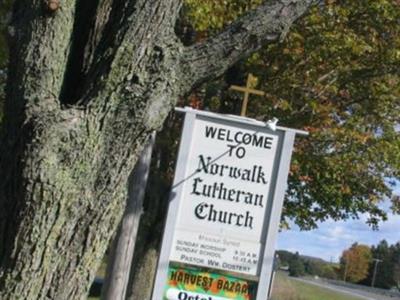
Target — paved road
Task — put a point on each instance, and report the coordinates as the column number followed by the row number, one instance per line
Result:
column 345, row 290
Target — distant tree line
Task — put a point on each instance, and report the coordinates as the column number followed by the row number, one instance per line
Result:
column 357, row 264
column 299, row 265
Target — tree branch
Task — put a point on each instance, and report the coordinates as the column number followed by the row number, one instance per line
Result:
column 40, row 41
column 265, row 24
column 129, row 36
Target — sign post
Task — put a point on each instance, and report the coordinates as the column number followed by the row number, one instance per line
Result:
column 225, row 209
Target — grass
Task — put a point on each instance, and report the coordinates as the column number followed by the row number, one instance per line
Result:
column 286, row 288
column 283, row 289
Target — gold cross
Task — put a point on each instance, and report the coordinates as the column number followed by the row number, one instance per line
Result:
column 247, row 90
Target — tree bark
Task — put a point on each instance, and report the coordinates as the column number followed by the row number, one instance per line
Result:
column 76, row 120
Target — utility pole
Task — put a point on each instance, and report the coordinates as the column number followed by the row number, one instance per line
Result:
column 345, row 270
column 377, row 261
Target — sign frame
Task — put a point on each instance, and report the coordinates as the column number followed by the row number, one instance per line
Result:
column 273, row 208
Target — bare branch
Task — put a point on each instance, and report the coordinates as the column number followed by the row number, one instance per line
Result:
column 267, row 23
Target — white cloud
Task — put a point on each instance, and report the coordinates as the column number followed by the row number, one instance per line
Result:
column 331, row 238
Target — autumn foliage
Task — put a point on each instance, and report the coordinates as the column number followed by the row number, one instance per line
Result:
column 355, row 263
column 336, row 76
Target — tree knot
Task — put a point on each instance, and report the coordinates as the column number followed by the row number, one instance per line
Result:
column 51, row 6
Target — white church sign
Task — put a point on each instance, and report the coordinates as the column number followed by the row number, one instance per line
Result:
column 225, row 209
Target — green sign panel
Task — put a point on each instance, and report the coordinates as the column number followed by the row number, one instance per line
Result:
column 197, row 284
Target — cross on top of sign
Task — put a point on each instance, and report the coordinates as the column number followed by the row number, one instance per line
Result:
column 247, row 90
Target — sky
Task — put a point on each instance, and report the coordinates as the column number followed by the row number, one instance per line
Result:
column 331, row 238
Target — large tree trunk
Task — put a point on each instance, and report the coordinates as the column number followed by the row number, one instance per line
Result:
column 88, row 82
